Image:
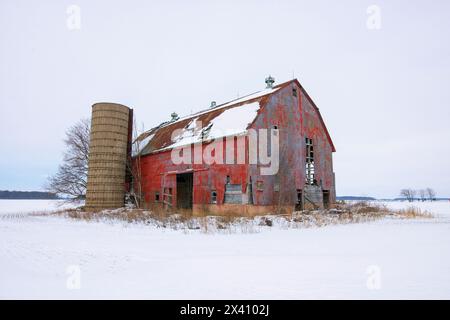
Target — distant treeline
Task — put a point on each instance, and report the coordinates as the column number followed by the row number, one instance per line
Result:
column 27, row 195
column 355, row 198
column 419, row 199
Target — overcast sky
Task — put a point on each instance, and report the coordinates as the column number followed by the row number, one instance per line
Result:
column 382, row 85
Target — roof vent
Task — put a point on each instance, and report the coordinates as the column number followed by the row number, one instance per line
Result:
column 174, row 116
column 213, row 104
column 269, row 82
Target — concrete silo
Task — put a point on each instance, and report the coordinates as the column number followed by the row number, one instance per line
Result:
column 111, row 129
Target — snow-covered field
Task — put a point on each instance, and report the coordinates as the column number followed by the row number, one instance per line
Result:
column 55, row 257
column 28, row 206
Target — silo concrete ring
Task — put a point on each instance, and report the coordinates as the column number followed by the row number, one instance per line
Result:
column 108, row 155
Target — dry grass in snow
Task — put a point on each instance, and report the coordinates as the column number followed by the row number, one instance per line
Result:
column 343, row 213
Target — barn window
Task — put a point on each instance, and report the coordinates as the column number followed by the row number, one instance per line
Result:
column 259, row 185
column 276, row 187
column 157, row 196
column 294, row 92
column 276, row 183
column 213, row 196
column 299, row 196
column 309, row 167
column 228, row 180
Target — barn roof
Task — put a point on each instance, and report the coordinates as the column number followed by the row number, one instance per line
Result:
column 230, row 118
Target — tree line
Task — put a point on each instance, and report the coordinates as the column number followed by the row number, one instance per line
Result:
column 6, row 194
column 420, row 195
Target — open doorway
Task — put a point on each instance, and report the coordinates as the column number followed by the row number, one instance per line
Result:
column 326, row 199
column 299, row 202
column 184, row 190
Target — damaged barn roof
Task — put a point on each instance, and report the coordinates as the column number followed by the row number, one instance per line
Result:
column 230, row 118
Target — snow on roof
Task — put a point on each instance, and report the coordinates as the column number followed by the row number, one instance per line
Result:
column 140, row 144
column 230, row 118
column 248, row 97
column 212, row 119
column 231, row 122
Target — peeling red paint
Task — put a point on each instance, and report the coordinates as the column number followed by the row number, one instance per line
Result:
column 296, row 117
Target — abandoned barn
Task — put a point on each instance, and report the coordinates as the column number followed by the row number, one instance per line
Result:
column 269, row 151
column 204, row 161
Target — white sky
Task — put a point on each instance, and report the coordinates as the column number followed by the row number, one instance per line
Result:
column 384, row 94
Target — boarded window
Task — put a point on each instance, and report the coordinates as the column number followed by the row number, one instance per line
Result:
column 233, row 194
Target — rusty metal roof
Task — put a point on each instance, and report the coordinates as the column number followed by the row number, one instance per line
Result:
column 159, row 138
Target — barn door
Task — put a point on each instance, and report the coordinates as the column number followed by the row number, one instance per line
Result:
column 184, row 190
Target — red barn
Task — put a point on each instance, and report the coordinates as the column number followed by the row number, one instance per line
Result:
column 269, row 151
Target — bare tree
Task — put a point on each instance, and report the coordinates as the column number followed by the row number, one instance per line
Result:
column 134, row 167
column 431, row 194
column 71, row 178
column 409, row 194
column 422, row 194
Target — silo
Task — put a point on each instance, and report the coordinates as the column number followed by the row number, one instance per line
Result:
column 108, row 152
